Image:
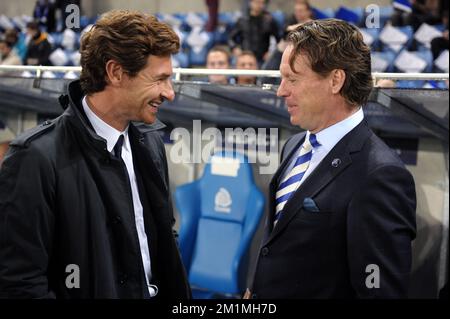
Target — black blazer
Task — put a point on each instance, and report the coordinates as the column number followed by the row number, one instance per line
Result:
column 364, row 215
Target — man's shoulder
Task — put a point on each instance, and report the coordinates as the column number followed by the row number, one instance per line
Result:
column 380, row 154
column 37, row 136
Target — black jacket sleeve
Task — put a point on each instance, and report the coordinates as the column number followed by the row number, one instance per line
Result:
column 26, row 223
column 235, row 36
column 380, row 228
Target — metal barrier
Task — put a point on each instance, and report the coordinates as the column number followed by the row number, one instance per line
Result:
column 178, row 72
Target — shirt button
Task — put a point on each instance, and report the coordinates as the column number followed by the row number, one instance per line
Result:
column 265, row 251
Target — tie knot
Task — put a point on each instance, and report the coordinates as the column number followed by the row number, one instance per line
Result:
column 311, row 142
column 118, row 147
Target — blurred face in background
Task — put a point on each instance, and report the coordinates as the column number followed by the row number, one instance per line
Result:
column 4, row 49
column 302, row 12
column 257, row 6
column 217, row 60
column 246, row 62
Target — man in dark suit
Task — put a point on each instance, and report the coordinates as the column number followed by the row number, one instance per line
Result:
column 85, row 209
column 342, row 209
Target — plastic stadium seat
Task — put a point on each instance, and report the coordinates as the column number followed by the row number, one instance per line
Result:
column 55, row 38
column 435, row 85
column 374, row 33
column 414, row 61
column 383, row 61
column 84, row 22
column 406, row 30
column 219, row 213
column 182, row 59
column 385, row 14
column 323, row 13
column 199, row 43
column 351, row 15
column 410, row 84
column 428, row 57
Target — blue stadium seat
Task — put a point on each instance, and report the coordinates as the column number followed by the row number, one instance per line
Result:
column 183, row 59
column 385, row 14
column 408, row 30
column 410, row 84
column 351, row 15
column 436, row 85
column 323, row 13
column 219, row 213
column 388, row 56
column 375, row 33
column 428, row 57
column 197, row 56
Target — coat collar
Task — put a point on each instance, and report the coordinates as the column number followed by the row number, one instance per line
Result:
column 323, row 175
column 71, row 103
column 138, row 132
column 73, row 100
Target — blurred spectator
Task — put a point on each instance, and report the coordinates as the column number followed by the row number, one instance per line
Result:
column 440, row 44
column 213, row 11
column 44, row 13
column 423, row 11
column 218, row 58
column 246, row 6
column 39, row 48
column 246, row 61
column 13, row 36
column 253, row 32
column 8, row 56
column 302, row 13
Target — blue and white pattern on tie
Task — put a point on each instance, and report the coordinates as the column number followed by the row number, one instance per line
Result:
column 292, row 180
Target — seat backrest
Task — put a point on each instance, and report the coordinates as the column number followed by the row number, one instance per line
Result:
column 230, row 209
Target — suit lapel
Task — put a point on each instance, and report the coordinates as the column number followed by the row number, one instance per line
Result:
column 322, row 176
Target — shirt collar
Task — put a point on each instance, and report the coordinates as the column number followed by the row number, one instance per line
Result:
column 330, row 136
column 109, row 133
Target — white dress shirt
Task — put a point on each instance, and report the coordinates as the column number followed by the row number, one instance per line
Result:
column 328, row 138
column 111, row 135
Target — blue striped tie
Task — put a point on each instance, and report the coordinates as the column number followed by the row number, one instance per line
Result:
column 292, row 180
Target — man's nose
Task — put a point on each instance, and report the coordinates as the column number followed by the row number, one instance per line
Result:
column 168, row 92
column 281, row 92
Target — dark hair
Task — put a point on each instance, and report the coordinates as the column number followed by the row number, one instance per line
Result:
column 331, row 44
column 33, row 25
column 221, row 48
column 127, row 37
column 248, row 52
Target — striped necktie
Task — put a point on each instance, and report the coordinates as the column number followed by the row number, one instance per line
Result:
column 292, row 180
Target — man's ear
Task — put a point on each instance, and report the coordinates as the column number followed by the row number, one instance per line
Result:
column 337, row 80
column 114, row 73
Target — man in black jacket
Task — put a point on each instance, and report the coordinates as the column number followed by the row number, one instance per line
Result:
column 85, row 208
column 252, row 32
column 39, row 49
column 342, row 208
